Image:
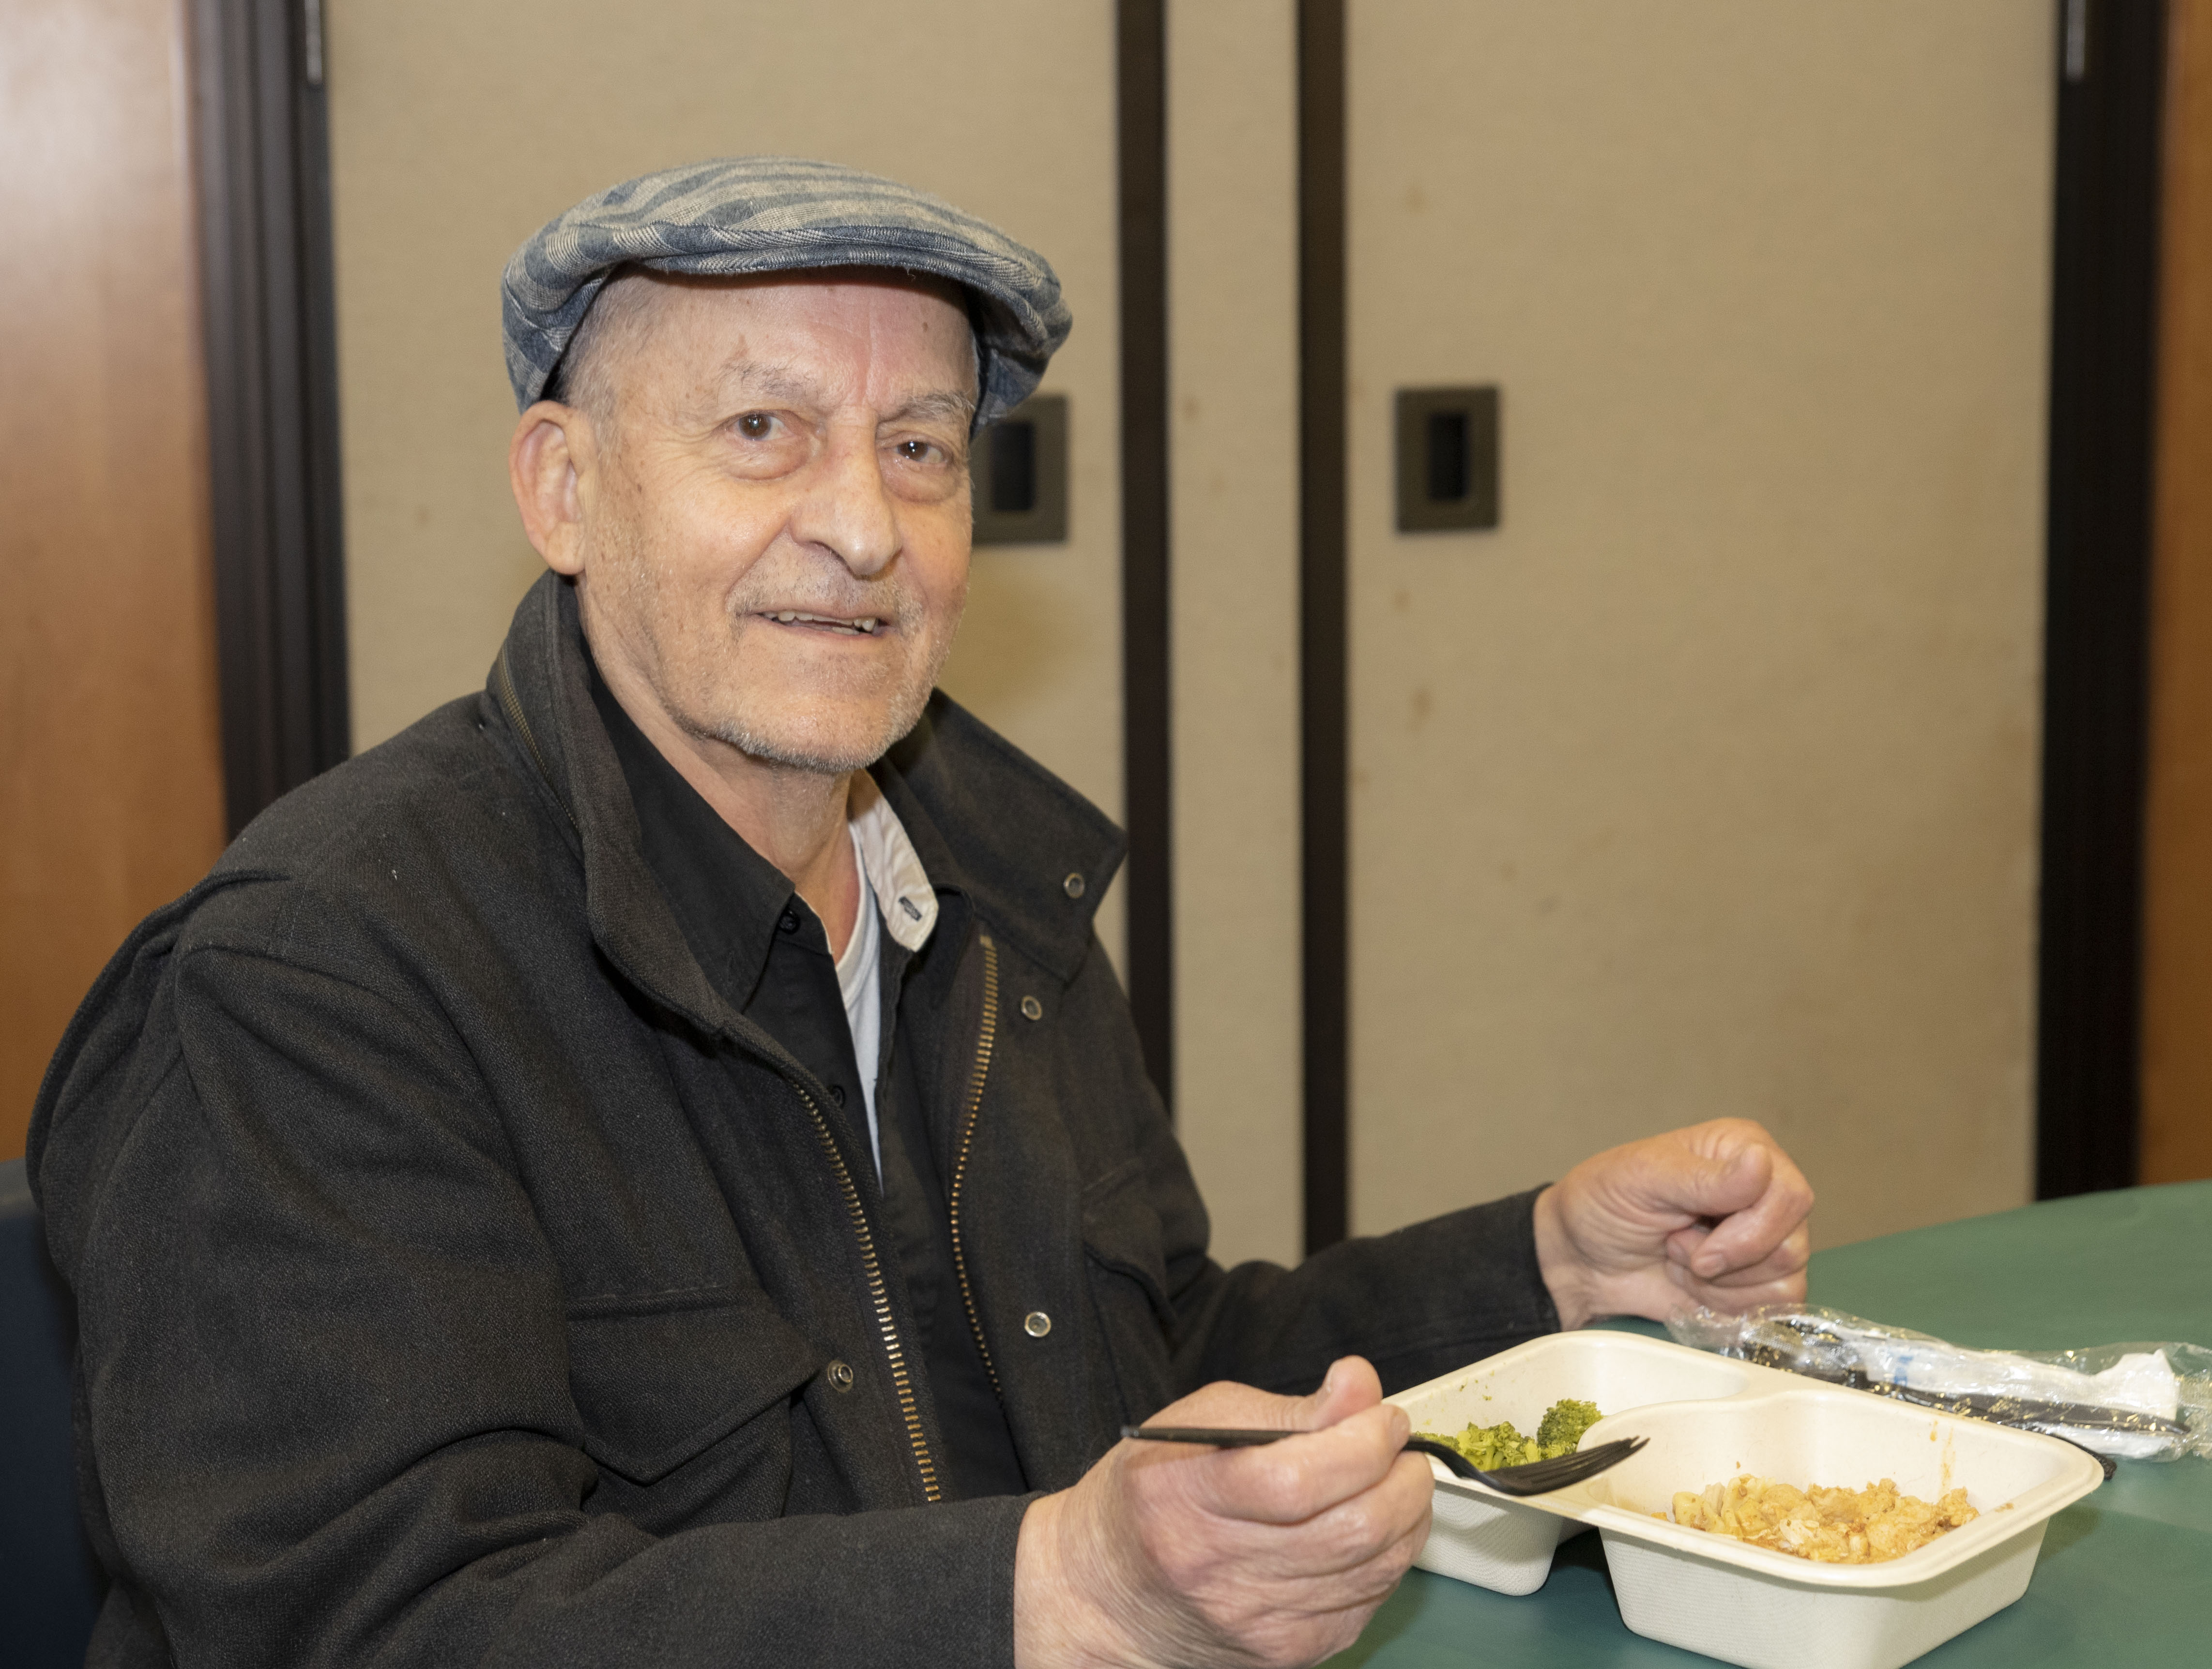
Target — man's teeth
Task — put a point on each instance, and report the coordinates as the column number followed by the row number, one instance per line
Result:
column 864, row 626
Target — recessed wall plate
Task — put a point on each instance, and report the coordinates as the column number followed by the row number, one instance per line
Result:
column 1018, row 471
column 1447, row 460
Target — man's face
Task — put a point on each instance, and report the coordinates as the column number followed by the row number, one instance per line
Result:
column 773, row 538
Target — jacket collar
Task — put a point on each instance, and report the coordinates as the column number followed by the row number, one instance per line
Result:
column 984, row 819
column 727, row 898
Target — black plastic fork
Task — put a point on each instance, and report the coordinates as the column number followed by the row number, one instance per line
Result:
column 1537, row 1477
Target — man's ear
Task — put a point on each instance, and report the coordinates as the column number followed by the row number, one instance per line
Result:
column 547, row 462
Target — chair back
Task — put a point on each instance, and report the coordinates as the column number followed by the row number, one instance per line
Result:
column 50, row 1584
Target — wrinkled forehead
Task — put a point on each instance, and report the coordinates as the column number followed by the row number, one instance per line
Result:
column 806, row 335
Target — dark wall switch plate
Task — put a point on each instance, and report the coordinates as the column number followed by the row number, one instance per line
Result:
column 1018, row 472
column 1447, row 458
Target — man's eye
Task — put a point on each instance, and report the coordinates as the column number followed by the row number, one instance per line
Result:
column 756, row 425
column 917, row 452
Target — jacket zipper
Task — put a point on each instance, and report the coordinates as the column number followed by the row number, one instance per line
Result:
column 513, row 702
column 879, row 1299
column 984, row 1043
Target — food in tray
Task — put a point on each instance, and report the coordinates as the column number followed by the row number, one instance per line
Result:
column 1492, row 1447
column 1835, row 1527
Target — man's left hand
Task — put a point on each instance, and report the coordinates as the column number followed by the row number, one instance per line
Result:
column 1713, row 1214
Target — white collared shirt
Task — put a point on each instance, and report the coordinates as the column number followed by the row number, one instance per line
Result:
column 896, row 898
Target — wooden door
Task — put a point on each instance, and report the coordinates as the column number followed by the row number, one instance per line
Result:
column 2177, row 1038
column 111, row 779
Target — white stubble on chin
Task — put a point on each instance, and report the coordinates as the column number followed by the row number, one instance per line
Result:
column 783, row 727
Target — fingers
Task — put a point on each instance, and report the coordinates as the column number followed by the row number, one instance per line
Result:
column 1683, row 1244
column 1277, row 1554
column 1782, row 1270
column 1715, row 1185
column 1322, row 1581
column 1747, row 1196
column 1344, row 1604
column 1353, row 1534
column 1787, row 1258
column 1758, row 1228
column 1735, row 1297
column 1348, row 1443
column 1292, row 1481
column 1717, row 1210
column 1350, row 1533
column 1274, row 1554
column 1351, row 1384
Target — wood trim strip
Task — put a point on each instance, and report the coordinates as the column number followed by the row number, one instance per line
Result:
column 1140, row 27
column 261, row 143
column 1322, row 692
column 2177, row 1045
column 2103, row 365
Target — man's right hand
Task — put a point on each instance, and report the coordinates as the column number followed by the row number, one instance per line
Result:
column 1167, row 1554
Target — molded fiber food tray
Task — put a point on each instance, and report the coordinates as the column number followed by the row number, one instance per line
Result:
column 1497, row 1541
column 1709, row 1419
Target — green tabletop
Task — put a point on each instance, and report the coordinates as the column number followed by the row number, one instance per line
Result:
column 2126, row 1575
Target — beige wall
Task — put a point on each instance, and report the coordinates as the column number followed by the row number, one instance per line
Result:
column 1232, row 314
column 1706, row 784
column 457, row 130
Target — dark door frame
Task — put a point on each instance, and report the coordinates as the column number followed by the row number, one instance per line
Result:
column 1324, row 760
column 2110, row 64
column 1147, row 736
column 261, row 142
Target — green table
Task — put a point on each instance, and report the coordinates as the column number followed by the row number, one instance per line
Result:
column 2125, row 1576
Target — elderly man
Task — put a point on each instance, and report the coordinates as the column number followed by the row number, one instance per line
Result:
column 650, row 1166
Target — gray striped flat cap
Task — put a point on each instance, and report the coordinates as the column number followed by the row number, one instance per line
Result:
column 778, row 214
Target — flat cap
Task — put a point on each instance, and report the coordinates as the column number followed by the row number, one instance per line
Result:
column 779, row 214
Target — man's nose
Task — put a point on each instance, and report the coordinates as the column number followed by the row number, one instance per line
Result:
column 847, row 508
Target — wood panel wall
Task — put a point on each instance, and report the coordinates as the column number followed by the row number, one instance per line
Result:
column 2177, row 1061
column 111, row 780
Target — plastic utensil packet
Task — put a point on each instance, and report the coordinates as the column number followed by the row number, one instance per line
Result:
column 2143, row 1402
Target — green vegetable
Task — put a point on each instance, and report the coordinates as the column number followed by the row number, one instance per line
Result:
column 1494, row 1446
column 1564, row 1422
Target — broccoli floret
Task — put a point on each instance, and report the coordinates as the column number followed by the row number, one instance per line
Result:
column 1564, row 1422
column 1492, row 1447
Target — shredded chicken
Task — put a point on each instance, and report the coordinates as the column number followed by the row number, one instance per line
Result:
column 1835, row 1527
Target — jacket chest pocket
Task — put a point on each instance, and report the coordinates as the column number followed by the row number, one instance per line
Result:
column 1122, row 1246
column 660, row 1381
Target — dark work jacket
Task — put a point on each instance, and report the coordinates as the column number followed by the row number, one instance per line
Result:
column 461, row 1280
column 766, row 952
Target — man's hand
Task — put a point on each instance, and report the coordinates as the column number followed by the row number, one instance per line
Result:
column 1170, row 1554
column 1714, row 1215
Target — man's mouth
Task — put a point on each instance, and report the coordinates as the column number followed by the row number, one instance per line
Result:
column 864, row 625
